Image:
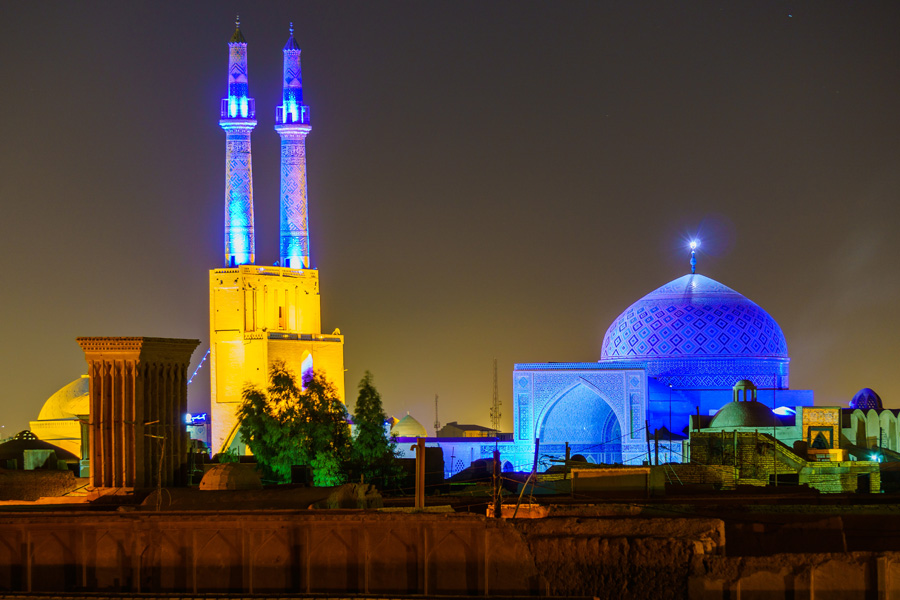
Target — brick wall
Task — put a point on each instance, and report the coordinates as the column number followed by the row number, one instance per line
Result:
column 720, row 476
column 31, row 485
column 751, row 453
column 756, row 457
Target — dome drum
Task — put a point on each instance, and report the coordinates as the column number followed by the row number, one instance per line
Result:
column 720, row 373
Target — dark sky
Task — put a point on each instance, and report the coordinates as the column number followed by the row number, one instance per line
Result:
column 486, row 179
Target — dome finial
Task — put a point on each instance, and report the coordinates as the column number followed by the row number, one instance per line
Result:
column 237, row 21
column 291, row 28
column 694, row 244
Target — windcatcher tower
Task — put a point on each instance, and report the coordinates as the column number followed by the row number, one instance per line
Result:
column 238, row 118
column 292, row 124
column 259, row 315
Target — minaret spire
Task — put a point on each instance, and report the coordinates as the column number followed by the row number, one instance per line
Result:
column 238, row 118
column 292, row 124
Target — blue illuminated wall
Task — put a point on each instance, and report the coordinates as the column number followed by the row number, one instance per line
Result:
column 238, row 118
column 292, row 124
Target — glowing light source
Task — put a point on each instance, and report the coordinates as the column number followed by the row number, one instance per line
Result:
column 875, row 457
column 202, row 360
column 783, row 411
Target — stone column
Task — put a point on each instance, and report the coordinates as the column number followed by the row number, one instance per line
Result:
column 138, row 399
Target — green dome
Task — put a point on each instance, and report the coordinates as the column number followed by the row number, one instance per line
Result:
column 408, row 427
column 747, row 413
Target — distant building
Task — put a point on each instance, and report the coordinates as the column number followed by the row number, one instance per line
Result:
column 829, row 448
column 408, row 427
column 459, row 430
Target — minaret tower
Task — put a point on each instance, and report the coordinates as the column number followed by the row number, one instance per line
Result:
column 292, row 124
column 238, row 118
column 260, row 315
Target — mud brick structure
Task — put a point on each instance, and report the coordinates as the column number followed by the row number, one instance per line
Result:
column 138, row 398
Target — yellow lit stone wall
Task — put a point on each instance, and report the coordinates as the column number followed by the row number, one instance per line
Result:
column 260, row 315
column 823, row 416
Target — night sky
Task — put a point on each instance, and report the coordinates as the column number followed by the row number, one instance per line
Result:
column 486, row 179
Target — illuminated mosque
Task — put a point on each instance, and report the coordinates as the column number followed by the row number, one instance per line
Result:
column 674, row 353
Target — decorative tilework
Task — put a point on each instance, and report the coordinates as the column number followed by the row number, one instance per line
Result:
column 523, row 416
column 719, row 373
column 239, row 238
column 294, row 244
column 238, row 122
column 693, row 316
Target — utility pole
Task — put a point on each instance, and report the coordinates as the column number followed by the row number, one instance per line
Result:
column 495, row 471
column 495, row 404
column 437, row 423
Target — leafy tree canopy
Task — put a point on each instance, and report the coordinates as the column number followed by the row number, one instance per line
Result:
column 296, row 426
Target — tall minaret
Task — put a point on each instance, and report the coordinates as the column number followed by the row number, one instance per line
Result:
column 292, row 124
column 238, row 120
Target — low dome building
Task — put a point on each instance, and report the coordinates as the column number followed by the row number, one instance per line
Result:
column 865, row 399
column 408, row 427
column 26, row 452
column 231, row 476
column 63, row 418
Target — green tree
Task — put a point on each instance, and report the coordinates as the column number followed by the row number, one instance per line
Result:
column 373, row 451
column 293, row 426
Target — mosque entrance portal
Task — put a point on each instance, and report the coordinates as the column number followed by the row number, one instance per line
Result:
column 584, row 420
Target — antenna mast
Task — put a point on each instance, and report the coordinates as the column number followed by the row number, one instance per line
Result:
column 437, row 422
column 495, row 404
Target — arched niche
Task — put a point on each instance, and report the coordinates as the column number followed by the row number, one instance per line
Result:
column 582, row 417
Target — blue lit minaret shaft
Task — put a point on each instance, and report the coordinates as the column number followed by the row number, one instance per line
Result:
column 292, row 124
column 238, row 114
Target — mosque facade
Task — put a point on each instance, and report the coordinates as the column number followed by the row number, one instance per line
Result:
column 674, row 353
column 262, row 314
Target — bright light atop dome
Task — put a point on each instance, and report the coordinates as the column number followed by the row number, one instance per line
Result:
column 694, row 244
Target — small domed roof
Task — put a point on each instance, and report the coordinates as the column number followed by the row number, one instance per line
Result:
column 866, row 398
column 745, row 413
column 408, row 427
column 26, row 440
column 68, row 402
column 231, row 476
column 693, row 316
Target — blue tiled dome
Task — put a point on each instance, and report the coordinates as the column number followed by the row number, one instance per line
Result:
column 690, row 317
column 865, row 399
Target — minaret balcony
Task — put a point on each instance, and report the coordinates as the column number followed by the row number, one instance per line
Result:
column 238, row 108
column 297, row 114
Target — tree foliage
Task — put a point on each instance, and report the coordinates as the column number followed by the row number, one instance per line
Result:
column 373, row 451
column 292, row 426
